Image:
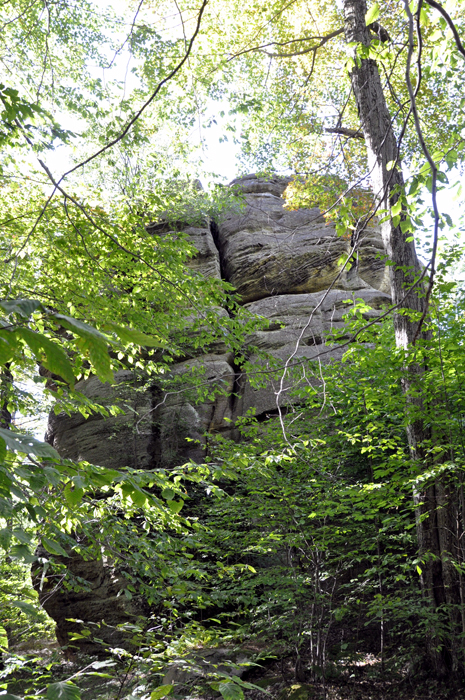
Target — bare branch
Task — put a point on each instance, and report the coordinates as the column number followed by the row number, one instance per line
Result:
column 148, row 102
column 344, row 131
column 439, row 8
column 413, row 105
column 286, row 43
column 322, row 41
column 128, row 38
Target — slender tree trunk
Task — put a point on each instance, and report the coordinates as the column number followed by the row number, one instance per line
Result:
column 6, row 380
column 434, row 505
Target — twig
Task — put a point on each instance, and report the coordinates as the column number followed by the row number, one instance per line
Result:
column 345, row 131
column 439, row 8
column 413, row 104
column 148, row 102
column 133, row 24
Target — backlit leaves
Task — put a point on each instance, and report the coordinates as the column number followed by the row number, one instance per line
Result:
column 26, row 444
column 372, row 14
column 64, row 690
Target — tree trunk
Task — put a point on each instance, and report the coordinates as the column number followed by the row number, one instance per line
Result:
column 435, row 506
column 6, row 380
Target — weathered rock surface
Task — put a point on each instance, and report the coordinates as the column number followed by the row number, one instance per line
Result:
column 267, row 250
column 117, row 441
column 306, row 317
column 286, row 267
column 299, row 324
column 218, row 345
column 101, row 599
column 207, row 261
column 182, row 420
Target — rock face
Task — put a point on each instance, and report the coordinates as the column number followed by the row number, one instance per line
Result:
column 119, row 441
column 101, row 599
column 286, row 267
column 268, row 251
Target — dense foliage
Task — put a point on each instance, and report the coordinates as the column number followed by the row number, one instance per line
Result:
column 303, row 536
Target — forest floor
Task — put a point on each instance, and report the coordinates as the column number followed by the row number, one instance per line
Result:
column 363, row 679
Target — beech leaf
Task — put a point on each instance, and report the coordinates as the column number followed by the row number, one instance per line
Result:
column 132, row 335
column 161, row 692
column 22, row 307
column 26, row 444
column 372, row 14
column 64, row 690
column 53, row 547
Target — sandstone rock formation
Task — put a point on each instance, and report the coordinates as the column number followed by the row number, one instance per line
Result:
column 268, row 251
column 101, row 599
column 109, row 442
column 286, row 268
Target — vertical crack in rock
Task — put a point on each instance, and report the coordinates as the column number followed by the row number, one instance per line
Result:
column 234, row 397
column 153, row 447
column 215, row 231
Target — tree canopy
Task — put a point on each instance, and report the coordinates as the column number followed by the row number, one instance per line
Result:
column 108, row 116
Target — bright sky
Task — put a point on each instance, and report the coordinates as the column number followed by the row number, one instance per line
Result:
column 219, row 155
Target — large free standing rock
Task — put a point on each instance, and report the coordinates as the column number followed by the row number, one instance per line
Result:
column 286, row 268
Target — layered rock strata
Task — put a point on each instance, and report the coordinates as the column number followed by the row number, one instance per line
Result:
column 268, row 250
column 100, row 602
column 286, row 267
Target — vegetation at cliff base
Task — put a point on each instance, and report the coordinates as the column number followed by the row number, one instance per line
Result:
column 315, row 549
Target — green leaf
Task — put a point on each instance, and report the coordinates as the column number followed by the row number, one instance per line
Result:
column 21, row 551
column 22, row 535
column 93, row 342
column 22, row 307
column 406, row 226
column 53, row 547
column 372, row 14
column 9, row 346
column 55, row 359
column 9, row 696
column 3, row 639
column 24, row 607
column 131, row 335
column 161, row 692
column 64, row 690
column 175, row 506
column 5, row 537
column 250, row 686
column 84, row 330
column 168, row 494
column 73, row 496
column 26, row 444
column 138, row 497
column 104, row 477
column 231, row 691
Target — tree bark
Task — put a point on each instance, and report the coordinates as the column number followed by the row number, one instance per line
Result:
column 435, row 505
column 6, row 380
